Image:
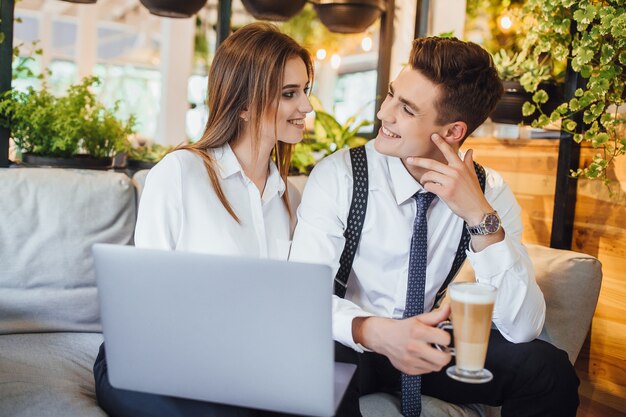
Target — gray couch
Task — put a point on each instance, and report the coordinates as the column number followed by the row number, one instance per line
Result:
column 49, row 316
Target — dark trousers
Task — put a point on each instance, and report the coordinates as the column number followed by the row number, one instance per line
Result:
column 119, row 403
column 530, row 379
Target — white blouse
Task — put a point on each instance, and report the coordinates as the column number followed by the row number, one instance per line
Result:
column 180, row 210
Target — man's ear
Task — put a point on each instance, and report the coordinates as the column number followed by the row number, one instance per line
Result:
column 454, row 133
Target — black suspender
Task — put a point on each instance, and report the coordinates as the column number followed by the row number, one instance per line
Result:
column 356, row 216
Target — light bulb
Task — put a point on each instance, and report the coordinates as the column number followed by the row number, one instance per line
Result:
column 366, row 44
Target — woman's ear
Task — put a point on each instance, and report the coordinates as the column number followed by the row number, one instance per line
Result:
column 454, row 133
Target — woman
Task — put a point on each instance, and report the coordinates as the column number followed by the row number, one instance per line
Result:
column 224, row 194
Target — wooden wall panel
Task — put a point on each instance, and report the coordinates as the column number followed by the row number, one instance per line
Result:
column 529, row 167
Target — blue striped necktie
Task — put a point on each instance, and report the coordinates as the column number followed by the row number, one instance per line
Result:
column 412, row 384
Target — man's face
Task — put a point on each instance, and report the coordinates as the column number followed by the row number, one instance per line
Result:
column 408, row 118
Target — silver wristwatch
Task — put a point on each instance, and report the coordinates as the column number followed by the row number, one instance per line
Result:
column 489, row 225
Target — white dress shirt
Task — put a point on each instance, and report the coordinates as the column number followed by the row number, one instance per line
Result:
column 180, row 210
column 378, row 281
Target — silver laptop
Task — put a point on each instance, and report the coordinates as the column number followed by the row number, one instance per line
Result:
column 241, row 331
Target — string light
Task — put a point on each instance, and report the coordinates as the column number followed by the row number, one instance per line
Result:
column 366, row 44
column 505, row 22
column 321, row 54
column 335, row 61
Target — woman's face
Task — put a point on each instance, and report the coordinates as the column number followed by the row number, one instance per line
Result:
column 292, row 107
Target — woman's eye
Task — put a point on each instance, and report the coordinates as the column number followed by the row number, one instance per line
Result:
column 307, row 90
column 289, row 94
column 389, row 93
column 407, row 110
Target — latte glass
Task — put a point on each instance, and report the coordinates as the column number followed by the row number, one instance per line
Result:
column 472, row 307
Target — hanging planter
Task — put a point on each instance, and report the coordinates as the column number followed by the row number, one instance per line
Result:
column 349, row 16
column 174, row 8
column 273, row 10
column 509, row 108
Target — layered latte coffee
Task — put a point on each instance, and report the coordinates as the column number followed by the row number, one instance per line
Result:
column 472, row 307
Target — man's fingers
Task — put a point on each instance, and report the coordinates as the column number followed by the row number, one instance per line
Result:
column 469, row 159
column 430, row 360
column 429, row 164
column 435, row 317
column 451, row 156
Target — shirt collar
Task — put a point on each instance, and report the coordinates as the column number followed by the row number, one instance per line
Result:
column 403, row 183
column 274, row 185
column 226, row 161
column 229, row 165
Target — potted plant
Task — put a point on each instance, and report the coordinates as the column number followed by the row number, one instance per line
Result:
column 591, row 35
column 145, row 156
column 275, row 10
column 519, row 76
column 173, row 8
column 75, row 130
column 307, row 29
column 349, row 16
column 327, row 137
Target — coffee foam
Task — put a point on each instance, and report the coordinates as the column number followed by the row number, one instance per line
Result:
column 473, row 293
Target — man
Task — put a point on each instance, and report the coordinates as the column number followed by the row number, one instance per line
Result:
column 447, row 90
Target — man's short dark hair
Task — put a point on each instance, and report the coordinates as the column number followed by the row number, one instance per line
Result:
column 468, row 80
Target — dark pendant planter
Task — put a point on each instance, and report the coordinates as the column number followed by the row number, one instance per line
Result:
column 274, row 10
column 349, row 16
column 178, row 9
column 136, row 165
column 78, row 161
column 509, row 108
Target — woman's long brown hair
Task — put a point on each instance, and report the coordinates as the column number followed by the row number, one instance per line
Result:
column 247, row 75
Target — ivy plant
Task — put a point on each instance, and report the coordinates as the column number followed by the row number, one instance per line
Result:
column 591, row 36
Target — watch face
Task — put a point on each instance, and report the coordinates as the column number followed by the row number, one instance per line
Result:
column 492, row 223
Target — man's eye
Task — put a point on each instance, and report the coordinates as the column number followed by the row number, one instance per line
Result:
column 307, row 90
column 289, row 94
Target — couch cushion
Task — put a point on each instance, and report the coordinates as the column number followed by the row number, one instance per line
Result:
column 570, row 282
column 50, row 220
column 48, row 374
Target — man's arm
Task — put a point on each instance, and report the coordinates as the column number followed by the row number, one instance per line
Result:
column 319, row 238
column 499, row 259
column 406, row 342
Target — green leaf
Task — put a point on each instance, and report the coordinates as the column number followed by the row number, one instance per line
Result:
column 563, row 108
column 543, row 121
column 528, row 109
column 586, row 71
column 600, row 139
column 540, row 97
column 578, row 92
column 555, row 116
column 1, row 37
column 578, row 138
column 574, row 105
column 569, row 125
column 588, row 117
column 607, row 54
